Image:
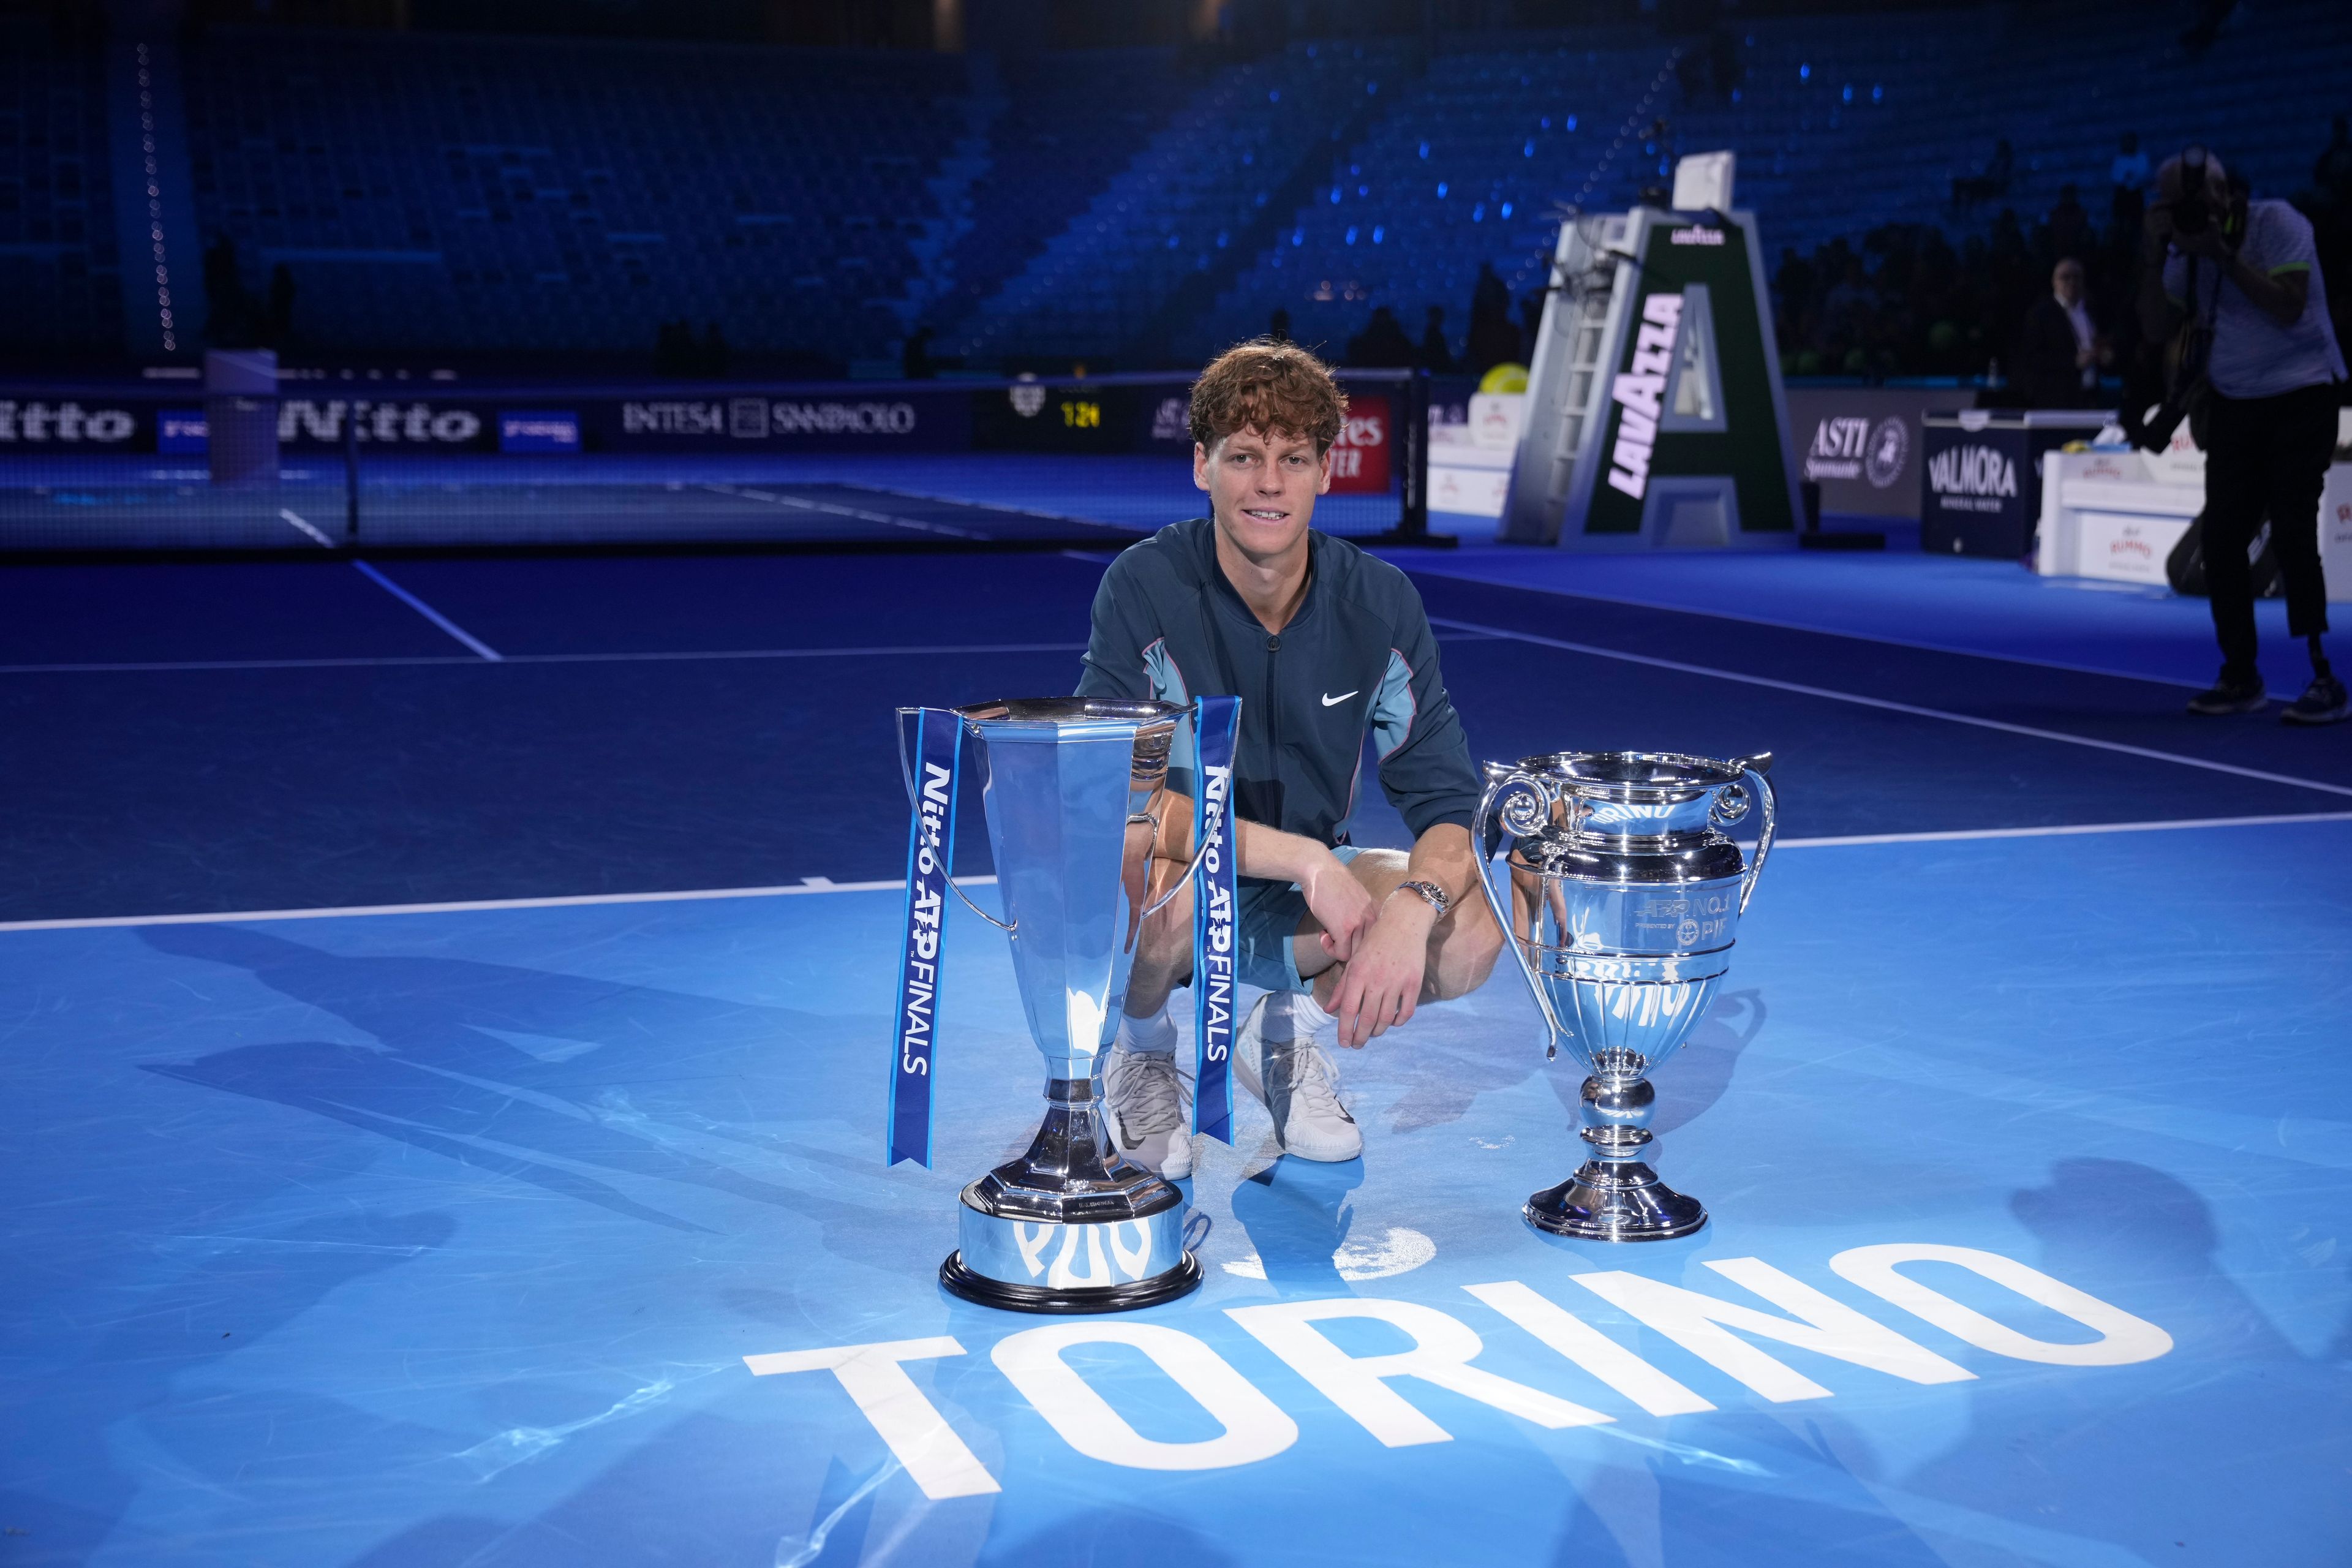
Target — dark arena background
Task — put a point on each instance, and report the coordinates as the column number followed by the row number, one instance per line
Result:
column 477, row 477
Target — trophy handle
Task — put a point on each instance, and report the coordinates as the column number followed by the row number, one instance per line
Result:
column 907, row 777
column 1530, row 819
column 1753, row 770
column 1181, row 883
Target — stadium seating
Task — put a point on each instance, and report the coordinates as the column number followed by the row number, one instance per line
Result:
column 1068, row 123
column 488, row 194
column 1468, row 167
column 1179, row 205
column 60, row 288
column 1841, row 124
column 473, row 193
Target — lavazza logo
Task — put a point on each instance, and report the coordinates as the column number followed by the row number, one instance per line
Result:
column 1971, row 479
column 1385, row 1393
column 1639, row 394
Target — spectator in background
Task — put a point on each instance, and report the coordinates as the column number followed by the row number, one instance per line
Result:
column 2210, row 15
column 2329, row 205
column 1532, row 310
column 2333, row 173
column 1991, row 181
column 915, row 355
column 282, row 306
column 1383, row 345
column 1493, row 338
column 2061, row 350
column 1724, row 62
column 2129, row 170
column 2070, row 226
column 1436, row 356
column 2245, row 269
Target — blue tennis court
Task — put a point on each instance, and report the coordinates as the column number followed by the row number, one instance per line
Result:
column 447, row 1006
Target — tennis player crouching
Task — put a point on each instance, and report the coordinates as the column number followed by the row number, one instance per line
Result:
column 1323, row 644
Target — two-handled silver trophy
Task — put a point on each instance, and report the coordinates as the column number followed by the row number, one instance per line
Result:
column 1076, row 789
column 1620, row 895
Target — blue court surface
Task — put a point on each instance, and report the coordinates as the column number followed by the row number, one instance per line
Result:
column 513, row 1193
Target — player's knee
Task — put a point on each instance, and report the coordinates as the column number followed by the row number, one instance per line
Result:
column 1166, row 934
column 1467, row 958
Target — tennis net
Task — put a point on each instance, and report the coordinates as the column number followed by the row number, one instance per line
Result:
column 376, row 467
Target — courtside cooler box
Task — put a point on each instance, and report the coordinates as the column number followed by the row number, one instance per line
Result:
column 1980, row 475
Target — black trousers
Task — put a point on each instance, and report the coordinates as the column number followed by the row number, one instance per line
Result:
column 2266, row 456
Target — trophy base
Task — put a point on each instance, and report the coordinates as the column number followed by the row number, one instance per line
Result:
column 982, row 1290
column 1615, row 1200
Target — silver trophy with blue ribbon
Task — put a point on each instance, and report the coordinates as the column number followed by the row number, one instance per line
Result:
column 1620, row 895
column 1076, row 791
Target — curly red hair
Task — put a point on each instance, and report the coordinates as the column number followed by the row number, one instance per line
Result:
column 1273, row 387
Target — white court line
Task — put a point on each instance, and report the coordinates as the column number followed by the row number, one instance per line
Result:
column 303, row 523
column 471, row 906
column 862, row 515
column 429, row 613
column 824, row 885
column 2064, row 830
column 886, row 651
column 389, row 587
column 1819, row 630
column 1889, row 706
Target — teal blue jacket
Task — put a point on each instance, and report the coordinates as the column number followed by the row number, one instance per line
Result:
column 1356, row 661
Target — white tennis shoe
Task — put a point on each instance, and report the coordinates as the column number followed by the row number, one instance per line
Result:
column 1294, row 1077
column 1150, row 1102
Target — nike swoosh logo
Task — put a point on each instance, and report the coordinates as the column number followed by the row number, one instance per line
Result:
column 1335, row 702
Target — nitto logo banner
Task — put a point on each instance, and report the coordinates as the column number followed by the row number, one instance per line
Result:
column 305, row 423
column 68, row 426
column 931, row 857
column 1215, row 901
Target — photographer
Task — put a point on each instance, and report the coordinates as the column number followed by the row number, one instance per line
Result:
column 2232, row 283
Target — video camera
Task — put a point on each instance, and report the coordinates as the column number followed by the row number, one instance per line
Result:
column 2193, row 211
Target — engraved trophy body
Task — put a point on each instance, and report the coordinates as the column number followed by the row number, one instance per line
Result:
column 1621, row 896
column 1074, row 789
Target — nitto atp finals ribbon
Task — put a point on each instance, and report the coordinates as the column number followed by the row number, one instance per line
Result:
column 1214, row 720
column 931, row 856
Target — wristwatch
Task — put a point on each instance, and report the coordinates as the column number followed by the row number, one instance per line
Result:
column 1430, row 893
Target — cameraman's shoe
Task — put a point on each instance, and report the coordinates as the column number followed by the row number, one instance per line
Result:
column 2322, row 702
column 2231, row 695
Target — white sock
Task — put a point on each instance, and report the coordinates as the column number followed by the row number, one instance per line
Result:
column 1156, row 1033
column 1308, row 1018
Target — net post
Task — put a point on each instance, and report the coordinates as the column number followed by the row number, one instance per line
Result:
column 1416, row 455
column 351, row 471
column 1411, row 531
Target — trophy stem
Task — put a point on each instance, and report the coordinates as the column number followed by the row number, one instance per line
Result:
column 1615, row 1196
column 1071, row 1226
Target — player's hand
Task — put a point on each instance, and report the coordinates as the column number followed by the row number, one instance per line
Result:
column 1382, row 984
column 2206, row 245
column 1339, row 905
